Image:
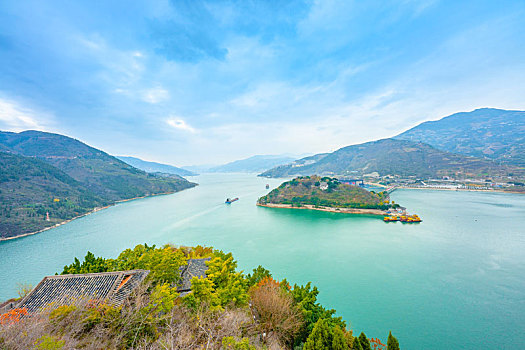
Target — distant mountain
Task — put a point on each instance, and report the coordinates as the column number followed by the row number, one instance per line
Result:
column 489, row 133
column 389, row 157
column 153, row 167
column 39, row 167
column 253, row 164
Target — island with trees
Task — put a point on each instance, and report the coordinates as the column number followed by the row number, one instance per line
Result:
column 327, row 194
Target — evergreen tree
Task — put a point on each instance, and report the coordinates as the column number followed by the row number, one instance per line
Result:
column 365, row 343
column 339, row 341
column 392, row 343
column 357, row 344
column 320, row 338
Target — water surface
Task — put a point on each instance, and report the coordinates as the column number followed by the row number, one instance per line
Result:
column 455, row 281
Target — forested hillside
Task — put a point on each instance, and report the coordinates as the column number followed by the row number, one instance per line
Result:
column 391, row 157
column 43, row 172
column 308, row 190
column 486, row 133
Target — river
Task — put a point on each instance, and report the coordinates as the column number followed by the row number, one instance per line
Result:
column 455, row 281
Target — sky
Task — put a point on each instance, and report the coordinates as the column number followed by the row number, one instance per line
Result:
column 207, row 82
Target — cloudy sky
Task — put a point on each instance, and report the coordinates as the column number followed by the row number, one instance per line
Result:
column 209, row 82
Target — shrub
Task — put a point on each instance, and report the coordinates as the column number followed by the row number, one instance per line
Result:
column 231, row 343
column 48, row 342
column 277, row 311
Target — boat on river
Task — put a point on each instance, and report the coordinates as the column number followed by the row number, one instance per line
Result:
column 402, row 218
column 231, row 200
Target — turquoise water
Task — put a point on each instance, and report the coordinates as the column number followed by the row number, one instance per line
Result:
column 455, row 281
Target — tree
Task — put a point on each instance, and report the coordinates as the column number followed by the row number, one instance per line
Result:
column 392, row 343
column 278, row 313
column 259, row 274
column 90, row 264
column 357, row 344
column 320, row 338
column 306, row 297
column 339, row 341
column 365, row 343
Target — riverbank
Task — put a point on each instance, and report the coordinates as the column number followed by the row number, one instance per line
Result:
column 328, row 209
column 457, row 189
column 85, row 214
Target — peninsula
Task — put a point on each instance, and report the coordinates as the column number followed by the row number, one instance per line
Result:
column 327, row 194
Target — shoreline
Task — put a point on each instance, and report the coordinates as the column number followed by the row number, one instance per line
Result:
column 358, row 211
column 94, row 210
column 457, row 189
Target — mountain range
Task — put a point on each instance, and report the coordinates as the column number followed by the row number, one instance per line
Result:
column 493, row 148
column 50, row 173
column 153, row 167
column 252, row 164
column 485, row 133
column 390, row 157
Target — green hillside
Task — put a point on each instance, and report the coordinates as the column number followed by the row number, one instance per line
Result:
column 38, row 167
column 28, row 189
column 307, row 190
column 489, row 133
column 392, row 157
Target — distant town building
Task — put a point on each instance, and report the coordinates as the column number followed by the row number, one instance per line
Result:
column 323, row 186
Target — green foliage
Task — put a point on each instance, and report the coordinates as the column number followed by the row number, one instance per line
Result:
column 339, row 340
column 292, row 314
column 365, row 343
column 392, row 343
column 231, row 343
column 306, row 191
column 320, row 338
column 163, row 263
column 60, row 313
column 356, row 344
column 99, row 314
column 162, row 299
column 48, row 342
column 229, row 285
column 258, row 275
column 306, row 298
column 222, row 286
column 91, row 264
column 37, row 167
column 203, row 295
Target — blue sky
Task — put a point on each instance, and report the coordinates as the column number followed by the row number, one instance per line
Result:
column 209, row 82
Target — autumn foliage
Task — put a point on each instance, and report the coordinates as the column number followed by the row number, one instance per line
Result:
column 12, row 316
column 276, row 310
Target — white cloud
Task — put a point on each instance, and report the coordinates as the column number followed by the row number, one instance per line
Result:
column 15, row 117
column 180, row 124
column 155, row 95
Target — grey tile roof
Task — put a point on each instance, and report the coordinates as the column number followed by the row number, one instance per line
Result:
column 195, row 268
column 112, row 287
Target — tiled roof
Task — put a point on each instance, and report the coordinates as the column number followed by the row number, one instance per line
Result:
column 195, row 268
column 112, row 287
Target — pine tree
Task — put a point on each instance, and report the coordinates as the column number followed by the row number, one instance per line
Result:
column 365, row 343
column 392, row 343
column 339, row 341
column 357, row 344
column 320, row 338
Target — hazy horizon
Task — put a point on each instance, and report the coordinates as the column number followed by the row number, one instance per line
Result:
column 204, row 82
